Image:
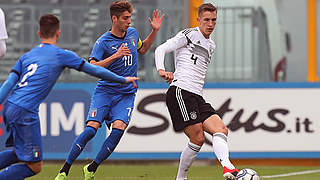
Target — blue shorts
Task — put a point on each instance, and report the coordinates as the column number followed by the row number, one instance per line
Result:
column 23, row 128
column 110, row 107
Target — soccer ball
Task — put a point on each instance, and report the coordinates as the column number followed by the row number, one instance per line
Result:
column 247, row 174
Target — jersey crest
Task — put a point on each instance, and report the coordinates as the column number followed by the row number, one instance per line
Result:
column 133, row 42
column 93, row 112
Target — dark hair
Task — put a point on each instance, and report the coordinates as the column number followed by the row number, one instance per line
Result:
column 49, row 24
column 206, row 7
column 118, row 7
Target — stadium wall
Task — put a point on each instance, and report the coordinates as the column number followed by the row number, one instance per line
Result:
column 265, row 120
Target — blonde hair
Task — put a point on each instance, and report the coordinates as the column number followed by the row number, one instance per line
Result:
column 206, row 7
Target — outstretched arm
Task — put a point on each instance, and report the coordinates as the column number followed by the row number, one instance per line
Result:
column 105, row 74
column 8, row 85
column 155, row 24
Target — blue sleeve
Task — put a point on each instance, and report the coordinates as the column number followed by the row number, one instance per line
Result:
column 8, row 85
column 70, row 59
column 17, row 68
column 97, row 51
column 102, row 73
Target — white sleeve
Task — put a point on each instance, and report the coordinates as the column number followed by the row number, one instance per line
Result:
column 3, row 31
column 170, row 45
column 3, row 47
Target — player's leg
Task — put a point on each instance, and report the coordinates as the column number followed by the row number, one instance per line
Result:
column 81, row 141
column 21, row 171
column 184, row 114
column 119, row 116
column 25, row 136
column 98, row 110
column 7, row 158
column 77, row 147
column 109, row 145
column 188, row 155
column 215, row 126
column 36, row 167
column 17, row 172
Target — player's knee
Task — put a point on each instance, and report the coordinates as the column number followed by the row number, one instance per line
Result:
column 94, row 124
column 35, row 167
column 118, row 124
column 225, row 130
column 201, row 139
column 198, row 139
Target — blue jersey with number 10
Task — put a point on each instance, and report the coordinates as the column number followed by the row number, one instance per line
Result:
column 38, row 70
column 107, row 45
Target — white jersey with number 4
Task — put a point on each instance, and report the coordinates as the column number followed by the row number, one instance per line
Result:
column 192, row 56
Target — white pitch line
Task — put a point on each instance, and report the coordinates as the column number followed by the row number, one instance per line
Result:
column 292, row 174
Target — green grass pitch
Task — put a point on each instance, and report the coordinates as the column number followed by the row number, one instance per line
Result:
column 168, row 172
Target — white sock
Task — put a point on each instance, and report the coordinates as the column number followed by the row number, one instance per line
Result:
column 221, row 149
column 188, row 155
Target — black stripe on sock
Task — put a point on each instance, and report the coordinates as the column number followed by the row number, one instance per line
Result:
column 197, row 149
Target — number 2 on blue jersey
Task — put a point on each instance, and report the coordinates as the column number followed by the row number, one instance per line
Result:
column 32, row 68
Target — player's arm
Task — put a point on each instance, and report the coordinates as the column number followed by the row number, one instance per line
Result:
column 155, row 24
column 105, row 74
column 3, row 47
column 170, row 45
column 4, row 34
column 122, row 51
column 159, row 61
column 8, row 85
column 72, row 60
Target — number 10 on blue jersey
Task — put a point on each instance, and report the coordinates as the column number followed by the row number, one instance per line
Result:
column 127, row 60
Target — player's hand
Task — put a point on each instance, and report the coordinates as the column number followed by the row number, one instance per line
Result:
column 168, row 76
column 132, row 80
column 122, row 51
column 156, row 20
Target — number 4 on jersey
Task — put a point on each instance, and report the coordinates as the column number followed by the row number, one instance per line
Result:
column 194, row 58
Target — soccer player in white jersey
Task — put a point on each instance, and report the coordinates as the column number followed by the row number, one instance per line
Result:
column 3, row 34
column 188, row 110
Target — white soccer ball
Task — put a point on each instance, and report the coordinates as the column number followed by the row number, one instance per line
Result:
column 247, row 174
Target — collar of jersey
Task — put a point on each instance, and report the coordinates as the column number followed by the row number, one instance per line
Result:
column 117, row 36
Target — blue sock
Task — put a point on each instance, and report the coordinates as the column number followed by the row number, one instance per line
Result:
column 7, row 158
column 109, row 145
column 79, row 144
column 16, row 172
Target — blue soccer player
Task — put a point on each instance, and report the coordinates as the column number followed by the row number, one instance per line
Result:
column 112, row 102
column 33, row 76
